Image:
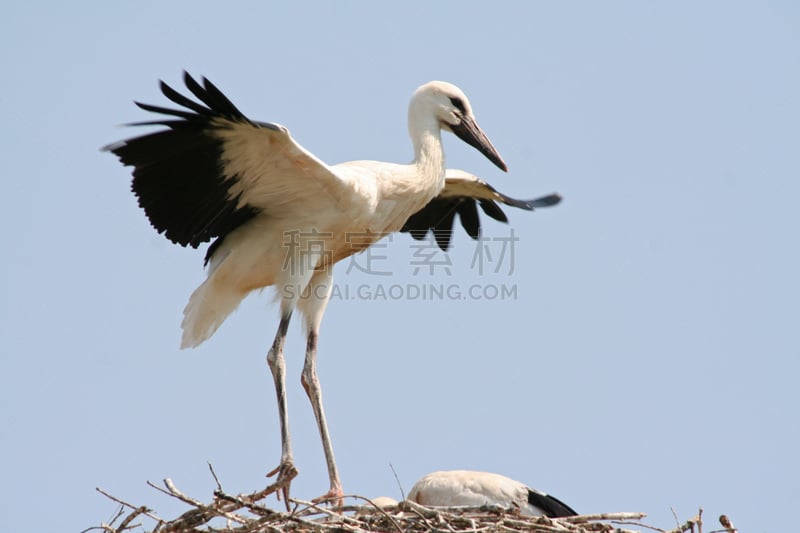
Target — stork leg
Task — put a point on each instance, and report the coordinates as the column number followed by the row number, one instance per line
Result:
column 313, row 304
column 286, row 470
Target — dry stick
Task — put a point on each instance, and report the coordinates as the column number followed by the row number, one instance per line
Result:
column 543, row 522
column 507, row 529
column 560, row 524
column 191, row 518
column 248, row 501
column 472, row 530
column 312, row 524
column 436, row 511
column 467, row 515
column 321, row 510
column 203, row 512
column 689, row 524
column 381, row 510
column 537, row 526
column 252, row 497
column 637, row 524
column 618, row 530
column 261, row 494
column 107, row 527
column 261, row 524
column 727, row 524
column 219, row 485
column 128, row 519
column 102, row 527
column 148, row 512
column 417, row 510
column 678, row 526
column 239, row 503
column 565, row 523
column 173, row 490
column 118, row 514
column 159, row 489
column 581, row 518
column 397, row 479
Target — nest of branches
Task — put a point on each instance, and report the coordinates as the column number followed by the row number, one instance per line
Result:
column 228, row 513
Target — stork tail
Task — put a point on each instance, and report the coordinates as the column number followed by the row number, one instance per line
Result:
column 208, row 307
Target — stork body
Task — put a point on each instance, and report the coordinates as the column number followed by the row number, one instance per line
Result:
column 281, row 217
column 466, row 488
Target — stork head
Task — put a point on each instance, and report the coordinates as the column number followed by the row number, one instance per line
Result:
column 449, row 107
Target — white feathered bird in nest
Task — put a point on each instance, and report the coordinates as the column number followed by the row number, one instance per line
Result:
column 465, row 488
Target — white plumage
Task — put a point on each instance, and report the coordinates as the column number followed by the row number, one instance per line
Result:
column 465, row 488
column 381, row 502
column 281, row 217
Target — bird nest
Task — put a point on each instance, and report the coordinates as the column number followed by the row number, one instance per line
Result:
column 247, row 514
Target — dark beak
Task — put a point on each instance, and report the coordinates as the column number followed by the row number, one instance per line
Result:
column 469, row 132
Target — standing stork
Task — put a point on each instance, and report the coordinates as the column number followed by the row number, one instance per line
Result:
column 268, row 203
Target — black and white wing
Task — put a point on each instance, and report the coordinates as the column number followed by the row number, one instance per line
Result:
column 549, row 505
column 462, row 194
column 213, row 169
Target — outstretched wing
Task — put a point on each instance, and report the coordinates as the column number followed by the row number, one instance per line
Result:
column 462, row 194
column 213, row 169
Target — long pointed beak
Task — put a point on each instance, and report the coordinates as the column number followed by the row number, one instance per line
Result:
column 469, row 132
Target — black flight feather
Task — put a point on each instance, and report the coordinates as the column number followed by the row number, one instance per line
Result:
column 438, row 216
column 551, row 506
column 178, row 173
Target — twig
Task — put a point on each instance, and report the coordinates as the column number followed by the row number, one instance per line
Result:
column 581, row 518
column 125, row 524
column 689, row 524
column 677, row 520
column 312, row 505
column 638, row 524
column 148, row 512
column 517, row 525
column 159, row 489
column 417, row 510
column 119, row 513
column 397, row 479
column 219, row 485
column 238, row 502
column 107, row 527
column 198, row 516
column 173, row 490
column 381, row 510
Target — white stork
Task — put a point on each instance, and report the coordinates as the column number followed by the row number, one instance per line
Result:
column 268, row 203
column 462, row 488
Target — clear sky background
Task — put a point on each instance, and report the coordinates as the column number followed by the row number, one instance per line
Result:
column 651, row 358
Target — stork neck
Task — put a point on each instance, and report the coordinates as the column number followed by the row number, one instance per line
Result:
column 428, row 152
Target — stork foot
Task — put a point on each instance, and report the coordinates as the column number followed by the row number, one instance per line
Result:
column 334, row 497
column 286, row 472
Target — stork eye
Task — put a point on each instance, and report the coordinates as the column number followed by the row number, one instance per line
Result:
column 458, row 103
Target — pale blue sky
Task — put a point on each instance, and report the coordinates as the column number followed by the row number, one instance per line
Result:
column 650, row 360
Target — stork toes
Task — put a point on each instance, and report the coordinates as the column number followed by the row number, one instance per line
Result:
column 334, row 497
column 286, row 472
